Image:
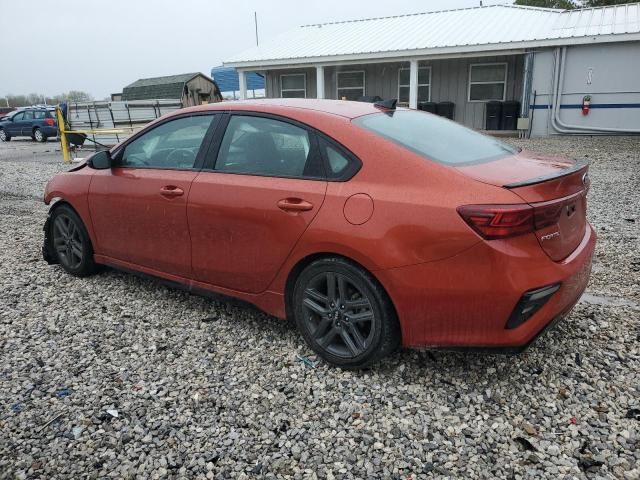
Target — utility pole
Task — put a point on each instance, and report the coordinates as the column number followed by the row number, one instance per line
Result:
column 255, row 21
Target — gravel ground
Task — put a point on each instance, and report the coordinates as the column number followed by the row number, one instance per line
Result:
column 116, row 376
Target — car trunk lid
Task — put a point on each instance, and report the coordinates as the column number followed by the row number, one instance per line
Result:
column 555, row 186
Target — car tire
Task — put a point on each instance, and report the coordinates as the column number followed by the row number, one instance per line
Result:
column 70, row 242
column 344, row 314
column 4, row 136
column 39, row 136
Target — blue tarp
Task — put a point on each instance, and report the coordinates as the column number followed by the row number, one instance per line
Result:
column 227, row 79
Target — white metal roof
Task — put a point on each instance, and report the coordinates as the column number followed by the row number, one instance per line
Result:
column 489, row 28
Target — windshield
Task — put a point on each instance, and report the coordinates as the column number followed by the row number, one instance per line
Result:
column 434, row 137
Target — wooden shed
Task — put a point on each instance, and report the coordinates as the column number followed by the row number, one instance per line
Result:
column 190, row 88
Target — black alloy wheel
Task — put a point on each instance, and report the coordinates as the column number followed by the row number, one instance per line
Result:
column 344, row 314
column 338, row 314
column 67, row 242
column 70, row 242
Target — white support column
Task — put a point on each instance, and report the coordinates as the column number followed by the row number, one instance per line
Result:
column 413, row 84
column 243, row 84
column 319, row 81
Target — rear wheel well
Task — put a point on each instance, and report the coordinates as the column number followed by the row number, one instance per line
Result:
column 308, row 260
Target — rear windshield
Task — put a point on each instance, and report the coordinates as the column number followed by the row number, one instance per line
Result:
column 434, row 137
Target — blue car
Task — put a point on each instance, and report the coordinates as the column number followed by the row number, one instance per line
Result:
column 39, row 123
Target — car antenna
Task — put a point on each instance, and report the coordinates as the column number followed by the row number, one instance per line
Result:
column 386, row 104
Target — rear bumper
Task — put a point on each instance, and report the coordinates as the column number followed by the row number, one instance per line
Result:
column 49, row 131
column 466, row 300
column 508, row 350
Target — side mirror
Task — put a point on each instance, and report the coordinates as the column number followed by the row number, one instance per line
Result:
column 101, row 160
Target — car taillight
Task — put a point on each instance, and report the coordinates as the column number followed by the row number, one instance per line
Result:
column 49, row 121
column 502, row 221
column 498, row 221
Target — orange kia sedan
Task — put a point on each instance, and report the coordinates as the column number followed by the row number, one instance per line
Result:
column 371, row 226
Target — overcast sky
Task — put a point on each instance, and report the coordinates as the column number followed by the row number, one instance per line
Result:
column 101, row 46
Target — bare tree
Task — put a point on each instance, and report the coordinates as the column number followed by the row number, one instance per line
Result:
column 78, row 96
column 38, row 98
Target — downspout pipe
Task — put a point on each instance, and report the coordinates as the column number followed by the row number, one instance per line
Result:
column 554, row 99
column 558, row 124
column 526, row 89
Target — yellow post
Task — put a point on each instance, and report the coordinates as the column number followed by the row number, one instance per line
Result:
column 64, row 143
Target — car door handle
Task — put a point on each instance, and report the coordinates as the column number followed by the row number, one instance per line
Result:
column 294, row 205
column 171, row 191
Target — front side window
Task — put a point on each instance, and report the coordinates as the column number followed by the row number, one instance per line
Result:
column 293, row 86
column 434, row 137
column 172, row 145
column 18, row 116
column 350, row 85
column 424, row 85
column 28, row 115
column 487, row 82
column 264, row 146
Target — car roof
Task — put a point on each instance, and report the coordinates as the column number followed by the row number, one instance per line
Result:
column 343, row 108
column 47, row 107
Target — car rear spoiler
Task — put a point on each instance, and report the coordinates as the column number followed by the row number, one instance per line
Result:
column 579, row 165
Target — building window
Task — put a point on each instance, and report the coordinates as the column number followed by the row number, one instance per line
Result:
column 293, row 85
column 487, row 81
column 424, row 85
column 350, row 85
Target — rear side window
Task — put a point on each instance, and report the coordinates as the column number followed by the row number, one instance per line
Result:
column 434, row 137
column 339, row 165
column 39, row 114
column 264, row 146
column 28, row 115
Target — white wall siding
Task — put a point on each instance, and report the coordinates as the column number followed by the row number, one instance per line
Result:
column 449, row 82
column 608, row 73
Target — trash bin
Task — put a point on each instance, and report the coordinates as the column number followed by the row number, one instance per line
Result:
column 510, row 113
column 427, row 106
column 494, row 115
column 445, row 109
